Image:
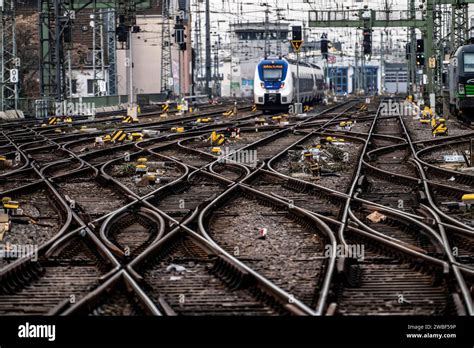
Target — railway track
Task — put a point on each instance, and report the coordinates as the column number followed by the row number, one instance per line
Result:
column 89, row 196
column 68, row 271
column 392, row 282
column 237, row 226
column 38, row 218
column 125, row 172
column 182, row 198
column 209, row 237
column 404, row 271
column 129, row 232
column 183, row 275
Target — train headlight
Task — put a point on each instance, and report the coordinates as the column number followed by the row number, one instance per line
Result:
column 461, row 89
column 282, row 85
column 262, row 84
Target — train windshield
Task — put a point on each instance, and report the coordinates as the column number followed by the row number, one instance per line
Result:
column 469, row 62
column 272, row 72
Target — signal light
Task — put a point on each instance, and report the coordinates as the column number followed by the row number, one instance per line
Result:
column 367, row 41
column 122, row 33
column 420, row 46
column 420, row 59
column 324, row 46
column 296, row 33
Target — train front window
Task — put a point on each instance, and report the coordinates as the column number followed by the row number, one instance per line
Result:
column 272, row 72
column 469, row 62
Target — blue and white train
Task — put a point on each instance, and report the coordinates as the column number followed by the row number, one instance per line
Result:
column 275, row 84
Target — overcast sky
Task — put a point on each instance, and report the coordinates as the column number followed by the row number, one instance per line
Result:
column 296, row 12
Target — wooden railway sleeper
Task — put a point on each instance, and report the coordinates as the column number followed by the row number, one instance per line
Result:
column 271, row 301
column 17, row 278
column 295, row 185
column 349, row 272
column 235, row 277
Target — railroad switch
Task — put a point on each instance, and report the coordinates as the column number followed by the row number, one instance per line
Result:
column 10, row 207
column 177, row 129
column 315, row 169
column 135, row 136
column 216, row 150
column 439, row 126
column 217, row 139
column 118, row 136
column 467, row 203
column 228, row 113
column 53, row 121
column 147, row 180
column 204, row 120
column 5, row 163
column 232, row 133
column 468, row 200
column 276, row 119
column 141, row 168
column 259, row 121
column 424, row 121
column 129, row 119
column 427, row 112
column 331, row 140
column 345, row 125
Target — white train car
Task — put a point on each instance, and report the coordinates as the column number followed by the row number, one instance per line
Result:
column 275, row 84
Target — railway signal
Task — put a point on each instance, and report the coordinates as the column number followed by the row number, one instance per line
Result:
column 297, row 42
column 367, row 41
column 324, row 46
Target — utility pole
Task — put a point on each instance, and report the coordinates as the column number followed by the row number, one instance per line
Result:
column 208, row 50
column 279, row 17
column 130, row 69
column 197, row 38
column 298, row 77
column 382, row 62
column 266, row 30
column 357, row 70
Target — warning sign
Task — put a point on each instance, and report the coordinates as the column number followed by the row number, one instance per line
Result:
column 297, row 44
column 432, row 62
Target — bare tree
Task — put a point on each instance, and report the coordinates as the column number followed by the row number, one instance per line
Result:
column 28, row 45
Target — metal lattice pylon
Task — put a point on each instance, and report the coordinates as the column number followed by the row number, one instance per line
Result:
column 54, row 19
column 460, row 24
column 166, row 69
column 438, row 46
column 98, row 50
column 8, row 59
column 112, row 51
